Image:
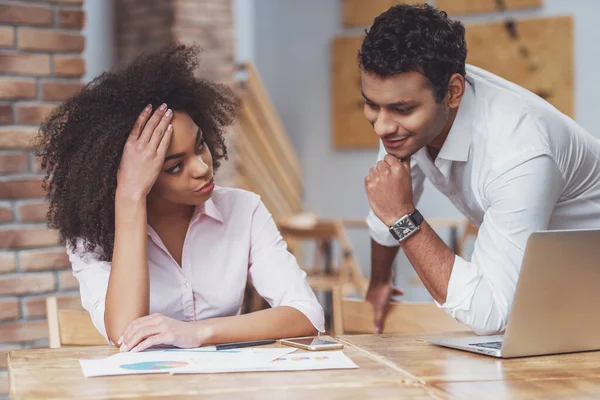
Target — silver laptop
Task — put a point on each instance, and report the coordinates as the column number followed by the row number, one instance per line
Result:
column 555, row 308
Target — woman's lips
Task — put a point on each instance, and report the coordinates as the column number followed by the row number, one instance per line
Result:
column 206, row 188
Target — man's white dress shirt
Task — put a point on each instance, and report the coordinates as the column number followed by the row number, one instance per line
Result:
column 513, row 165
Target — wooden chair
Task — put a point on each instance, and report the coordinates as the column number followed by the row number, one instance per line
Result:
column 356, row 316
column 329, row 269
column 326, row 272
column 70, row 327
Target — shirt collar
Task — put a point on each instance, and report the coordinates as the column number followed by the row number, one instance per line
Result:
column 458, row 143
column 210, row 209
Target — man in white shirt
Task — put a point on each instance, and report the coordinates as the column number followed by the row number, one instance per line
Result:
column 508, row 160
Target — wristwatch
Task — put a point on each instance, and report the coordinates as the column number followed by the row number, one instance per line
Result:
column 406, row 226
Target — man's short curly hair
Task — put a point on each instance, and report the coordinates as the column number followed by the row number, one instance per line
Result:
column 415, row 38
column 82, row 141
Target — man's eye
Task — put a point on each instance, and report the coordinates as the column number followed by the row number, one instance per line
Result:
column 403, row 110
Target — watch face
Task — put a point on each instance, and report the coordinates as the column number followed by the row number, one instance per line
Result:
column 403, row 228
column 406, row 226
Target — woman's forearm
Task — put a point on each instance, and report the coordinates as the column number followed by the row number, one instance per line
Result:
column 273, row 323
column 127, row 296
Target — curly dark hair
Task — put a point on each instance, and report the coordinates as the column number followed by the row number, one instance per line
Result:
column 415, row 38
column 82, row 141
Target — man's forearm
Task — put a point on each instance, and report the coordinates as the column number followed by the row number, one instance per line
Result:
column 382, row 258
column 431, row 259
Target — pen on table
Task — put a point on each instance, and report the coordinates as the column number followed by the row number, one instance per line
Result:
column 227, row 346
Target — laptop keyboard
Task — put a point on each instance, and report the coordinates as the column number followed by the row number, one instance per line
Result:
column 488, row 345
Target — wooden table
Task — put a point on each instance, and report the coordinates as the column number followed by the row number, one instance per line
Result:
column 456, row 374
column 391, row 367
column 55, row 373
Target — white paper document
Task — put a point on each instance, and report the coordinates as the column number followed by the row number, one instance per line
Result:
column 208, row 360
column 289, row 362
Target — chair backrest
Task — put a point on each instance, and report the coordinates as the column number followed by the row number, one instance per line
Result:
column 308, row 227
column 70, row 327
column 356, row 316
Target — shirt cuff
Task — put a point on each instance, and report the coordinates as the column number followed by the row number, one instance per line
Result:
column 463, row 282
column 312, row 311
column 97, row 316
column 379, row 232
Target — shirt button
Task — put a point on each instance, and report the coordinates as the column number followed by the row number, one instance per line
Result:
column 187, row 285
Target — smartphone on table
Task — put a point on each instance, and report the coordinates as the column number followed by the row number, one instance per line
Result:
column 313, row 344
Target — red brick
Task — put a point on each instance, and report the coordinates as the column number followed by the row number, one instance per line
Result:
column 34, row 282
column 68, row 66
column 37, row 164
column 25, row 64
column 21, row 188
column 33, row 114
column 67, row 281
column 4, row 353
column 7, row 36
column 50, row 40
column 13, row 163
column 80, row 2
column 9, row 309
column 32, row 212
column 6, row 114
column 28, row 237
column 71, row 18
column 60, row 90
column 14, row 14
column 36, row 306
column 8, row 262
column 5, row 214
column 17, row 88
column 17, row 137
column 25, row 331
column 38, row 260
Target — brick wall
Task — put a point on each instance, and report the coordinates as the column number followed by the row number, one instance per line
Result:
column 40, row 65
column 146, row 25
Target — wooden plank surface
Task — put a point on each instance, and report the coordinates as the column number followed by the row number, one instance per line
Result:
column 547, row 389
column 273, row 125
column 434, row 364
column 350, row 127
column 465, row 7
column 363, row 12
column 537, row 54
column 55, row 373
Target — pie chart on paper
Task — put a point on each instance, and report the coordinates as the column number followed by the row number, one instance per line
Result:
column 154, row 365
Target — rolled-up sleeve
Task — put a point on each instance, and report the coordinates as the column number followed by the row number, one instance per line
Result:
column 92, row 276
column 480, row 292
column 377, row 229
column 275, row 273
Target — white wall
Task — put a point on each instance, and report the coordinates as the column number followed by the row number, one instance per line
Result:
column 292, row 52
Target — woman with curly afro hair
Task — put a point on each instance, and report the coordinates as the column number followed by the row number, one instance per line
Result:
column 161, row 253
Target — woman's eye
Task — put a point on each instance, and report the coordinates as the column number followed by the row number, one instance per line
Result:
column 174, row 169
